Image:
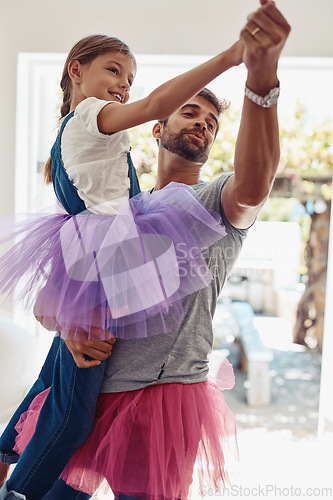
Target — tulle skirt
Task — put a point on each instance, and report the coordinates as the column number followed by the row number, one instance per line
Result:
column 91, row 275
column 152, row 443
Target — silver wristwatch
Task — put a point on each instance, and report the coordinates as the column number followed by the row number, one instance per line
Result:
column 265, row 102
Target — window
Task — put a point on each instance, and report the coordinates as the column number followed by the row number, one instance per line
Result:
column 308, row 80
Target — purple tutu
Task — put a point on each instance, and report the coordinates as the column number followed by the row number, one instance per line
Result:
column 91, row 275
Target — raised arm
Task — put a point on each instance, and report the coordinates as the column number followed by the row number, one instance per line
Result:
column 257, row 148
column 168, row 97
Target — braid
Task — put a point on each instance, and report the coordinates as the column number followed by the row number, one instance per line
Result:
column 48, row 171
column 65, row 85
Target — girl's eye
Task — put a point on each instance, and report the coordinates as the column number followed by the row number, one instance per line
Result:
column 114, row 70
column 188, row 114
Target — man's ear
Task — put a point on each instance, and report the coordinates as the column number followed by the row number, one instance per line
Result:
column 157, row 130
column 74, row 70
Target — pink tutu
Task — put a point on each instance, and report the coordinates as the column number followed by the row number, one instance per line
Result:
column 94, row 275
column 26, row 425
column 150, row 442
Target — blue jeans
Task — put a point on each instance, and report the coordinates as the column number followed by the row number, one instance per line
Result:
column 65, row 422
column 61, row 491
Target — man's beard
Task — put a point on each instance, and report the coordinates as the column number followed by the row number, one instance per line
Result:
column 182, row 145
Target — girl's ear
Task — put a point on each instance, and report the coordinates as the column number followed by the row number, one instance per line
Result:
column 74, row 70
column 157, row 130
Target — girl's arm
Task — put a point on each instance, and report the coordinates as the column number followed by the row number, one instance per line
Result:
column 170, row 96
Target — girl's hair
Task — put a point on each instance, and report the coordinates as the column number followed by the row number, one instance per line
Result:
column 84, row 51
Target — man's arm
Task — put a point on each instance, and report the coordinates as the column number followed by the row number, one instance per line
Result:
column 257, row 147
column 86, row 353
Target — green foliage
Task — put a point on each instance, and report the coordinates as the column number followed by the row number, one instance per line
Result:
column 306, row 146
column 306, row 151
column 277, row 210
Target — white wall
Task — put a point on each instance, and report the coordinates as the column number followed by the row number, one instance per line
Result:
column 169, row 26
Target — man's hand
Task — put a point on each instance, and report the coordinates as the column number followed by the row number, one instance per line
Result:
column 4, row 470
column 98, row 350
column 263, row 36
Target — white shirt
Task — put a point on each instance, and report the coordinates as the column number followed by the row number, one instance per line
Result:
column 96, row 163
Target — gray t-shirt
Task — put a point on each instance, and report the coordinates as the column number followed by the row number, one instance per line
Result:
column 181, row 355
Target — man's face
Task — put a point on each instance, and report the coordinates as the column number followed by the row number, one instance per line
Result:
column 191, row 130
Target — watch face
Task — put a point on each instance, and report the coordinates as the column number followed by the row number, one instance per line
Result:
column 272, row 97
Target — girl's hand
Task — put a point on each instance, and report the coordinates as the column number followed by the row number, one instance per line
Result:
column 236, row 53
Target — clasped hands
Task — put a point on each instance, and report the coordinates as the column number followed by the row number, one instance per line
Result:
column 260, row 44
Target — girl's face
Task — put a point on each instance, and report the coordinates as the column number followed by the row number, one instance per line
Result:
column 108, row 77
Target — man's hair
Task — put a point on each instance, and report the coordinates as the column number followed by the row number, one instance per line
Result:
column 219, row 105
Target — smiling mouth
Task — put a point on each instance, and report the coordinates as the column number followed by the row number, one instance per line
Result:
column 119, row 97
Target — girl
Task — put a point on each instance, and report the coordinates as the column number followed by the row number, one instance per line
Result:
column 77, row 254
column 113, row 263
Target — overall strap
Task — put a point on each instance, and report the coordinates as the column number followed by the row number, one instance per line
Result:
column 134, row 182
column 64, row 189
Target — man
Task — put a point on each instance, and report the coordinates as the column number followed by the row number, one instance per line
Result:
column 185, row 140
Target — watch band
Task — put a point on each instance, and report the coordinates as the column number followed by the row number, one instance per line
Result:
column 267, row 101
